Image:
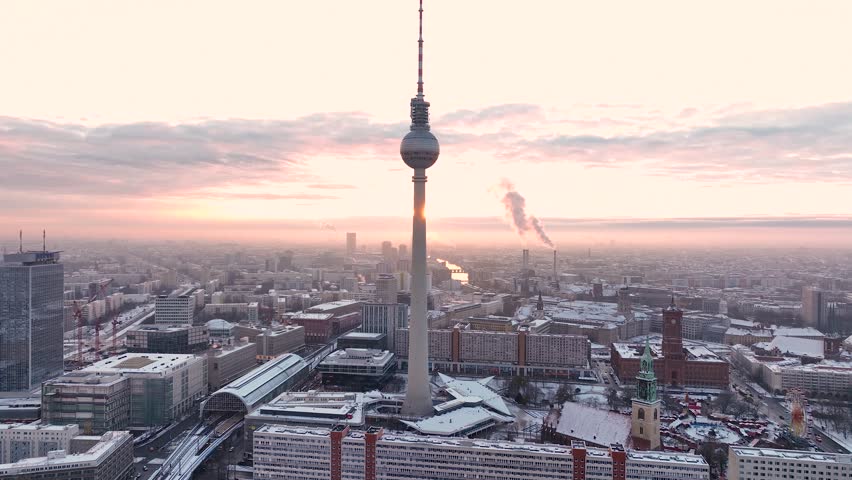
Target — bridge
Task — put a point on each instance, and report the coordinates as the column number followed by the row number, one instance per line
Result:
column 196, row 447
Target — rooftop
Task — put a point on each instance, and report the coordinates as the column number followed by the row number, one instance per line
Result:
column 361, row 336
column 476, row 388
column 797, row 346
column 792, row 455
column 259, row 382
column 332, row 305
column 462, row 421
column 553, row 449
column 108, row 443
column 694, row 351
column 358, row 356
column 593, row 425
column 141, row 363
column 798, row 332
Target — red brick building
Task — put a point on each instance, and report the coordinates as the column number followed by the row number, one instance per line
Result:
column 328, row 320
column 674, row 364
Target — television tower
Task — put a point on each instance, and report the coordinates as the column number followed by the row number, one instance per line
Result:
column 419, row 150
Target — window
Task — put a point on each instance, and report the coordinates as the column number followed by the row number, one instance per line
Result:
column 641, row 414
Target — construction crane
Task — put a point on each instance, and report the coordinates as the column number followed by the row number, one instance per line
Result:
column 78, row 320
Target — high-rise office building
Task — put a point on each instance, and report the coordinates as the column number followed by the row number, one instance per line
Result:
column 31, row 315
column 814, row 311
column 419, row 150
column 176, row 309
column 386, row 288
column 403, row 252
column 351, row 243
column 384, row 318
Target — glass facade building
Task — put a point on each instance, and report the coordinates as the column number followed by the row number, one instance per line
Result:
column 31, row 316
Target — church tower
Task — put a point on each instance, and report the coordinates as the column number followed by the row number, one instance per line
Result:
column 645, row 419
column 674, row 360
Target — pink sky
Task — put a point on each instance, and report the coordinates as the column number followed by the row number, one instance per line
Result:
column 199, row 118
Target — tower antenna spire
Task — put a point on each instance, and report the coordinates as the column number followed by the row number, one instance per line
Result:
column 20, row 241
column 44, row 240
column 420, row 56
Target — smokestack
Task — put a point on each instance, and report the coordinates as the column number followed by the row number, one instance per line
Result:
column 555, row 277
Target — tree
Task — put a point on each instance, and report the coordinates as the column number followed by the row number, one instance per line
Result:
column 612, row 398
column 671, row 404
column 722, row 402
column 716, row 456
column 565, row 393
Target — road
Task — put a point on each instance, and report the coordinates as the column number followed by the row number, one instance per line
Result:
column 127, row 320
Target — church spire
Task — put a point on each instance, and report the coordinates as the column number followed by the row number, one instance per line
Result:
column 646, row 387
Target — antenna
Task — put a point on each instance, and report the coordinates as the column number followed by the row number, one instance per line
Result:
column 420, row 56
column 20, row 241
column 44, row 240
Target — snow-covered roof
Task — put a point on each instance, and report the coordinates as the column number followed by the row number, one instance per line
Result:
column 462, row 421
column 798, row 332
column 600, row 427
column 476, row 388
column 800, row 347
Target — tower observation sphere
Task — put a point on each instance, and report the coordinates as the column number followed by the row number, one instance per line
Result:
column 419, row 148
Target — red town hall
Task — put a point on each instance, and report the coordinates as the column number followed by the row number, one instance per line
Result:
column 675, row 365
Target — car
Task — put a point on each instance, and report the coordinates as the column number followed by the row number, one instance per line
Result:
column 231, row 449
column 144, row 468
column 818, row 438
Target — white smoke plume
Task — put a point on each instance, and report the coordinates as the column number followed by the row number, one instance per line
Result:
column 515, row 205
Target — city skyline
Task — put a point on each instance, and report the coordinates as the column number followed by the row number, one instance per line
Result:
column 592, row 116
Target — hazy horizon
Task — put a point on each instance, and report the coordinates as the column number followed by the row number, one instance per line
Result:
column 667, row 124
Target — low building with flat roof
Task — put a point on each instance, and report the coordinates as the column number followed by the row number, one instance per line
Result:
column 20, row 441
column 159, row 338
column 272, row 342
column 105, row 457
column 97, row 403
column 361, row 367
column 294, row 453
column 747, row 463
column 375, row 341
column 163, row 387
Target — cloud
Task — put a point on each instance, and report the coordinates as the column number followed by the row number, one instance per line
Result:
column 150, row 159
column 332, row 186
column 808, row 144
column 505, row 112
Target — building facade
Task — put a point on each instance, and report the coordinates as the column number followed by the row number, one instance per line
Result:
column 31, row 320
column 20, row 441
column 384, row 318
column 290, row 453
column 226, row 364
column 675, row 365
column 277, row 341
column 167, row 339
column 746, row 463
column 163, row 387
column 177, row 309
column 505, row 353
column 814, row 308
column 107, row 457
column 97, row 403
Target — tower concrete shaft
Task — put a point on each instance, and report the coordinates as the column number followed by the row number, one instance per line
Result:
column 418, row 397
